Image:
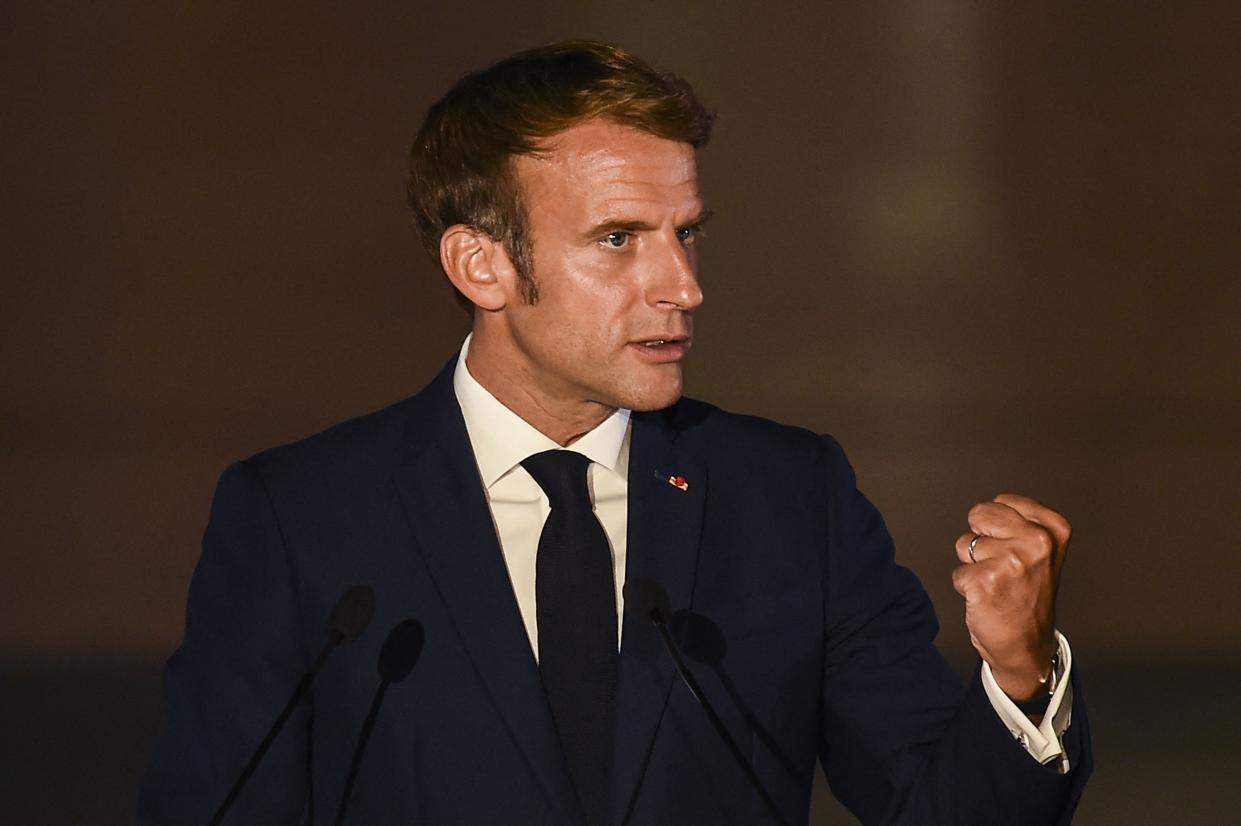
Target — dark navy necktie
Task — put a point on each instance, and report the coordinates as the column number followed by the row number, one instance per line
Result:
column 576, row 607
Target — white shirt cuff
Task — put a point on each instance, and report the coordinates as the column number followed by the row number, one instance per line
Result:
column 1043, row 742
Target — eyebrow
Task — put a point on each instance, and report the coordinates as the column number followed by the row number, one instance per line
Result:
column 612, row 225
column 702, row 217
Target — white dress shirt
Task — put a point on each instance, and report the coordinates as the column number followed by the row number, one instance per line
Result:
column 501, row 440
column 1043, row 741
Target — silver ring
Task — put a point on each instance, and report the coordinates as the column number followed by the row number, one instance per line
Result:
column 973, row 542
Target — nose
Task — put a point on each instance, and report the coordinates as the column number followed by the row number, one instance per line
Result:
column 674, row 277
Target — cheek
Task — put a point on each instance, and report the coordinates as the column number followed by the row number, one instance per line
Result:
column 599, row 305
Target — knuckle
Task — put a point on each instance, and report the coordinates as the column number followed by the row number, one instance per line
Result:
column 990, row 580
column 959, row 582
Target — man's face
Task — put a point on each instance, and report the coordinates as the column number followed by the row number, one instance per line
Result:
column 613, row 214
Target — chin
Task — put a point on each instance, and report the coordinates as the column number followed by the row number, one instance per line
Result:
column 648, row 399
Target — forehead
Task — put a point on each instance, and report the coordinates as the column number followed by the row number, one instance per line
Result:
column 598, row 168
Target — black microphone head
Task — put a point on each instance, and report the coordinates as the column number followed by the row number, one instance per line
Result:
column 400, row 651
column 700, row 639
column 646, row 598
column 352, row 613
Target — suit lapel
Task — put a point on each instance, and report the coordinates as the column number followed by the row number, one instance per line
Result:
column 448, row 514
column 665, row 523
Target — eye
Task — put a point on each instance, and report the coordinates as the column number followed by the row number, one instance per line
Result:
column 616, row 240
column 687, row 235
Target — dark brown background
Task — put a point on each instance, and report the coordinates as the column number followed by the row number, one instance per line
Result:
column 989, row 246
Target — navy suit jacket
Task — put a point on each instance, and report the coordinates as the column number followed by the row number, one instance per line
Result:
column 809, row 640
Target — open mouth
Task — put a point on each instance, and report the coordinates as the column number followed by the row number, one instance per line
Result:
column 661, row 350
column 664, row 342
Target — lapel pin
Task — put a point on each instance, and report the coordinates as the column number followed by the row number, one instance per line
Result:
column 678, row 482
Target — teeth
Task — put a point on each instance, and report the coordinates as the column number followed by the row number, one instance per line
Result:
column 654, row 343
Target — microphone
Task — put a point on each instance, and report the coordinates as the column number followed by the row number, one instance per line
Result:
column 349, row 618
column 351, row 614
column 397, row 658
column 646, row 599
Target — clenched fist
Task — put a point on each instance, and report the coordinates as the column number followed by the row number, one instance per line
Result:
column 1009, row 583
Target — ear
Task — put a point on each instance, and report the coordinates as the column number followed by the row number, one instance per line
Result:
column 478, row 266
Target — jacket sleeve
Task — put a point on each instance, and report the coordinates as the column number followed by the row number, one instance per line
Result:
column 901, row 742
column 242, row 655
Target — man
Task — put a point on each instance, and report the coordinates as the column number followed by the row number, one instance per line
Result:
column 558, row 190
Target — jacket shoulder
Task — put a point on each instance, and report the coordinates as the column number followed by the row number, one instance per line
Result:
column 701, row 424
column 367, row 444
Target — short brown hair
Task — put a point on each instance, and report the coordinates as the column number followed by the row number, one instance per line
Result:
column 460, row 164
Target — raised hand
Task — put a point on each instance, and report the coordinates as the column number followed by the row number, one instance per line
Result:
column 1011, row 563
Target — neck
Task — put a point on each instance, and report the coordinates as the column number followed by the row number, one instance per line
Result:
column 563, row 420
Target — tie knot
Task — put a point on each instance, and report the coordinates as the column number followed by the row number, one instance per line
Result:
column 562, row 476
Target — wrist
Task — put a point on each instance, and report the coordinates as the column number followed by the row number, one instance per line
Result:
column 1022, row 672
column 1035, row 701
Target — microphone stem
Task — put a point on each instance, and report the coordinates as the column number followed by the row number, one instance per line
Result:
column 695, row 690
column 334, row 639
column 363, row 737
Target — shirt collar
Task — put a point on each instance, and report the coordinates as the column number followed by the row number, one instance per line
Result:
column 501, row 439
